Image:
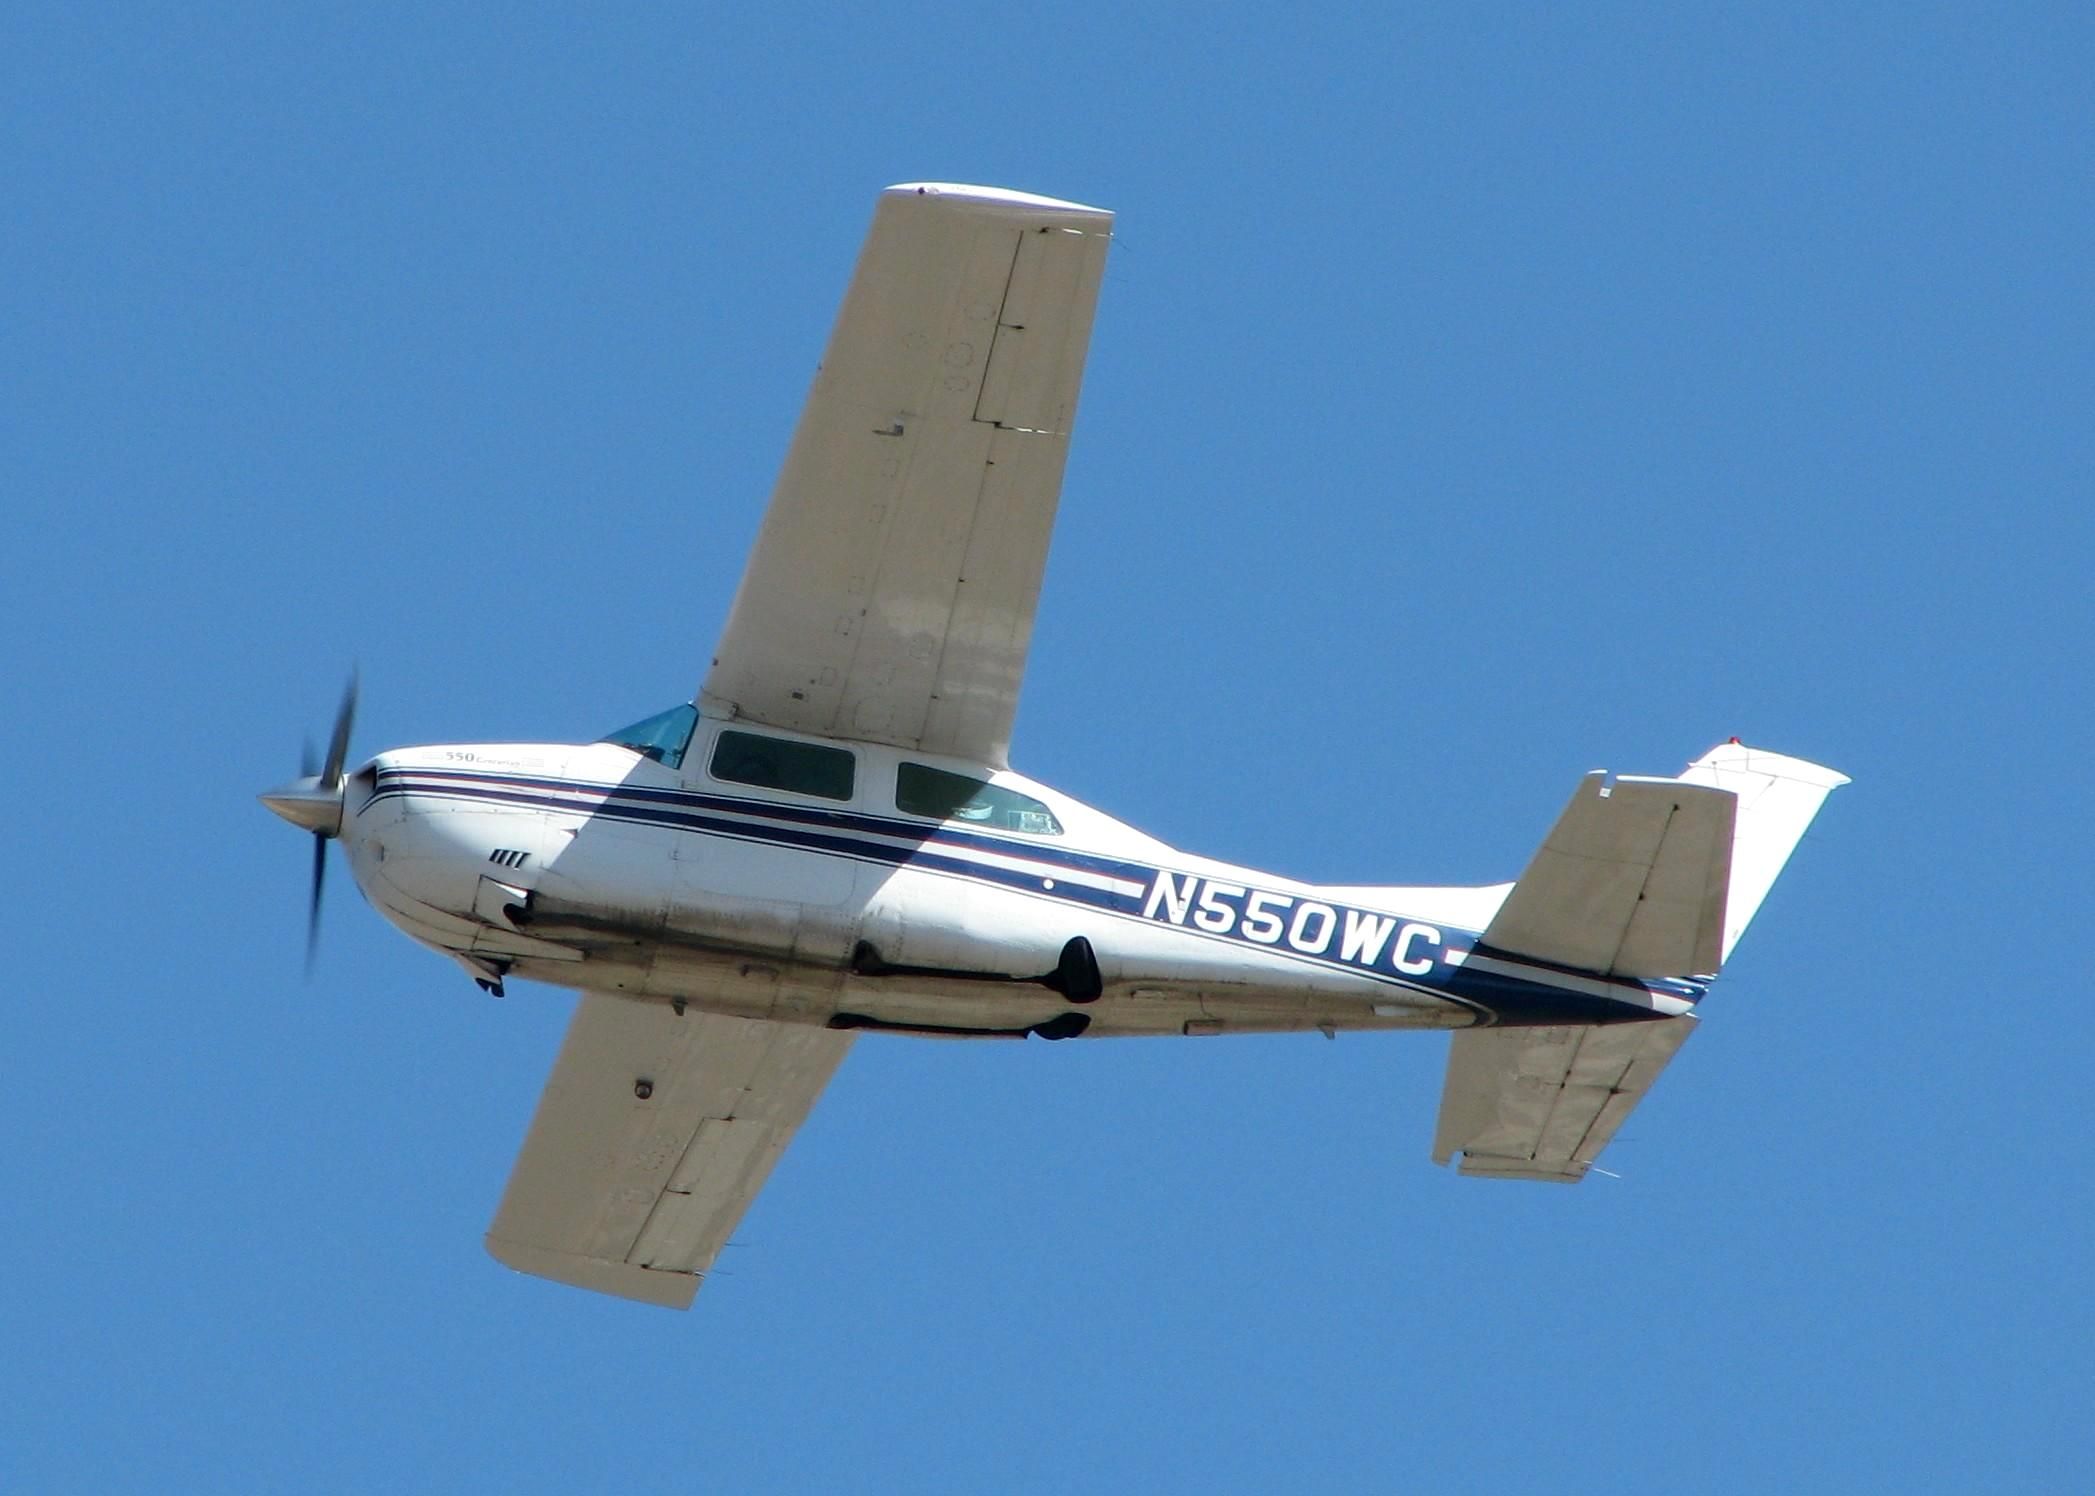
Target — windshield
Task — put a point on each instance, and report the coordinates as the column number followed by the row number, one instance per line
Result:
column 662, row 737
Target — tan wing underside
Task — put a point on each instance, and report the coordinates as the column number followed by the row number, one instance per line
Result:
column 634, row 1195
column 1541, row 1103
column 890, row 595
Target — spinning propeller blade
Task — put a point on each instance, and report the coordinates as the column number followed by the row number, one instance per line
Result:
column 314, row 802
column 330, row 781
column 338, row 745
column 313, row 913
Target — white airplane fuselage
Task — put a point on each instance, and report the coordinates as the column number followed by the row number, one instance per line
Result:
column 597, row 867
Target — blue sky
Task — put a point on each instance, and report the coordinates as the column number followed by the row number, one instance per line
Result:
column 1480, row 395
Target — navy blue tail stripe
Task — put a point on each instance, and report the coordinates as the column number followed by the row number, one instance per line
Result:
column 933, row 848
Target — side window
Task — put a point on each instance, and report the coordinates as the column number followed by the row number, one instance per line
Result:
column 921, row 790
column 776, row 764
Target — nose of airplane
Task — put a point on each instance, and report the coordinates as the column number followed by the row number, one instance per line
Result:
column 309, row 803
column 313, row 802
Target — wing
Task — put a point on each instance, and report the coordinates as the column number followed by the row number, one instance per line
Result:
column 1540, row 1103
column 635, row 1194
column 890, row 594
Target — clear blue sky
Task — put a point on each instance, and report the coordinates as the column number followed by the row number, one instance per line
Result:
column 1480, row 395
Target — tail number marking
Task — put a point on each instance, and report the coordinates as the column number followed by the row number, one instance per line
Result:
column 1309, row 926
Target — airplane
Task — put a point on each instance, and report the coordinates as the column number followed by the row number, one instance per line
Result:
column 830, row 840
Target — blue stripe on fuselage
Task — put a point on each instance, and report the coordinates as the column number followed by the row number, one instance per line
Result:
column 1410, row 953
column 830, row 833
column 808, row 815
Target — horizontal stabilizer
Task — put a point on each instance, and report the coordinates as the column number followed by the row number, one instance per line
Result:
column 1540, row 1103
column 1630, row 882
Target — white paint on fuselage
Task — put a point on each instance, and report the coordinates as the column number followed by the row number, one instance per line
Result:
column 440, row 838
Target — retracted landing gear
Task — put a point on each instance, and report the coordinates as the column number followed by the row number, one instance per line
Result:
column 1076, row 975
column 487, row 973
column 1063, row 1026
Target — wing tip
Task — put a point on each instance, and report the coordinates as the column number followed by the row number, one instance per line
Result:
column 964, row 194
column 669, row 1290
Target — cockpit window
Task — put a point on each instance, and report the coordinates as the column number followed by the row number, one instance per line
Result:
column 662, row 737
column 921, row 790
column 781, row 764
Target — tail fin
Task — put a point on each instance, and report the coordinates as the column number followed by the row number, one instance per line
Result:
column 1778, row 796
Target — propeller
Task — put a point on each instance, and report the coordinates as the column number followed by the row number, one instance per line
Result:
column 313, row 802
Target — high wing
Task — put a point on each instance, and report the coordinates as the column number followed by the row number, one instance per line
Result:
column 653, row 1135
column 1540, row 1103
column 890, row 594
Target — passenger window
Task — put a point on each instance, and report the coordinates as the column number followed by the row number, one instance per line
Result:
column 777, row 764
column 921, row 790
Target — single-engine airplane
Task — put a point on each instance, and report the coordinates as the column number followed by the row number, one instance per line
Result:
column 830, row 839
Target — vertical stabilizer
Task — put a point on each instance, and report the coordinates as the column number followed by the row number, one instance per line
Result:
column 1778, row 796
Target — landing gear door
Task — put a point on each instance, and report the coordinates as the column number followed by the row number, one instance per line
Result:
column 494, row 901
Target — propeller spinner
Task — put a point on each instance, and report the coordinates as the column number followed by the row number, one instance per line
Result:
column 313, row 802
